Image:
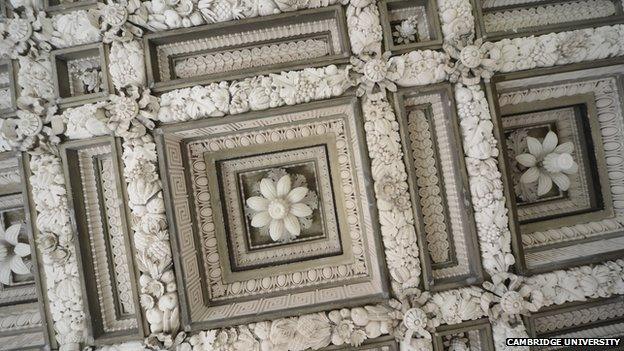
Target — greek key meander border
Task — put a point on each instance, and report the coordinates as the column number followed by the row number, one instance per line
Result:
column 69, row 340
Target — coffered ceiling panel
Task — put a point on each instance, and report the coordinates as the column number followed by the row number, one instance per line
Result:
column 561, row 146
column 280, row 205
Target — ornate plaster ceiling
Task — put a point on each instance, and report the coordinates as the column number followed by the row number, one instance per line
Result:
column 302, row 174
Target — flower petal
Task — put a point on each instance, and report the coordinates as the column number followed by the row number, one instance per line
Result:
column 11, row 234
column 292, row 225
column 561, row 180
column 18, row 266
column 267, row 188
column 530, row 175
column 283, row 186
column 297, row 194
column 550, row 142
column 572, row 170
column 276, row 229
column 527, row 160
column 22, row 249
column 535, row 147
column 5, row 274
column 544, row 184
column 260, row 219
column 258, row 203
column 300, row 210
column 565, row 148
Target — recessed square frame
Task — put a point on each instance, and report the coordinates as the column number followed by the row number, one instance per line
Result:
column 611, row 68
column 479, row 12
column 152, row 41
column 481, row 326
column 60, row 74
column 433, row 24
column 445, row 109
column 230, row 272
column 586, row 100
column 11, row 67
column 200, row 313
column 96, row 335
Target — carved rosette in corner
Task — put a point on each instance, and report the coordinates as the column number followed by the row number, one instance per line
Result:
column 131, row 113
column 151, row 240
column 27, row 33
column 507, row 299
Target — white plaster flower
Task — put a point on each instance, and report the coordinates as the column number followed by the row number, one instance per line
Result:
column 120, row 21
column 415, row 320
column 406, row 32
column 131, row 113
column 280, row 208
column 508, row 297
column 24, row 34
column 548, row 163
column 473, row 61
column 12, row 254
column 373, row 75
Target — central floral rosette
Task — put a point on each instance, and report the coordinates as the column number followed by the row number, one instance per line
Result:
column 281, row 208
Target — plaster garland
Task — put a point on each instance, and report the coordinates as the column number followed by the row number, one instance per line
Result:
column 157, row 285
column 561, row 48
column 252, row 94
column 486, row 186
column 393, row 203
column 55, row 242
column 365, row 33
column 127, row 64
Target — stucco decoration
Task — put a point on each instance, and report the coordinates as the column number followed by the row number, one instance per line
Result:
column 376, row 75
column 126, row 64
column 486, row 186
column 581, row 283
column 472, row 62
column 157, row 285
column 27, row 33
column 120, row 21
column 507, row 298
column 30, row 128
column 310, row 331
column 457, row 21
column 547, row 163
column 561, row 48
column 252, row 94
column 420, row 68
column 406, row 32
column 389, row 176
column 131, row 113
column 73, row 28
column 14, row 254
column 55, row 242
column 34, row 78
column 85, row 121
column 365, row 31
column 284, row 206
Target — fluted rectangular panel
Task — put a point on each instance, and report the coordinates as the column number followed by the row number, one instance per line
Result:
column 98, row 198
column 274, row 43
